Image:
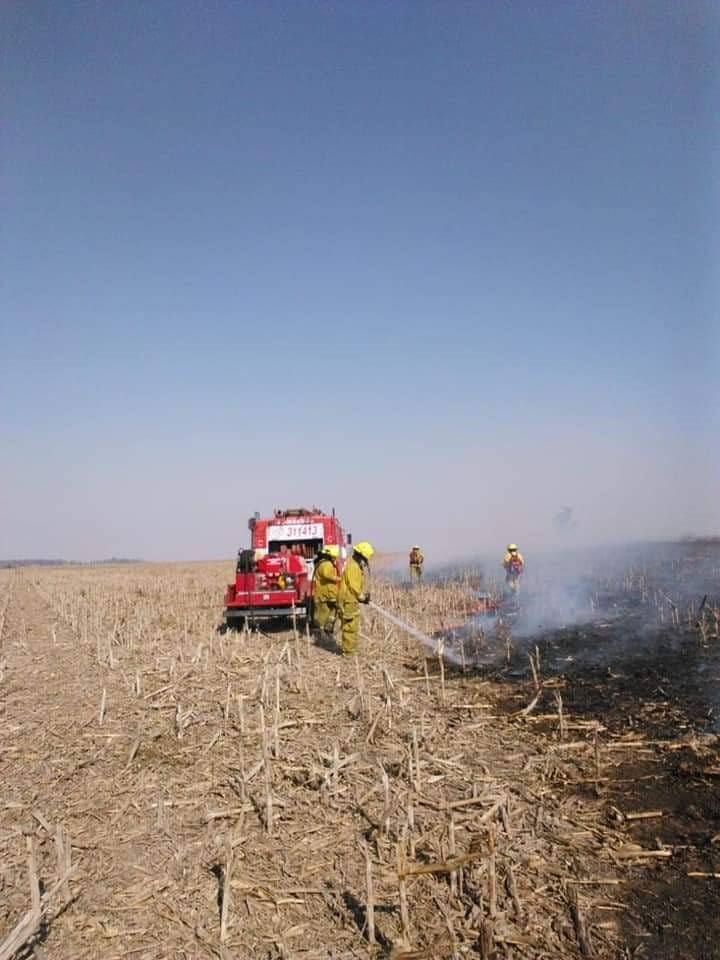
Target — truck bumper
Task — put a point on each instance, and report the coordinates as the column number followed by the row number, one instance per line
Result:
column 238, row 615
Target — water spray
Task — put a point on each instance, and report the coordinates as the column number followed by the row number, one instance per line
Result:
column 407, row 627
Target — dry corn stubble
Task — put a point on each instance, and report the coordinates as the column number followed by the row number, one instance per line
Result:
column 251, row 793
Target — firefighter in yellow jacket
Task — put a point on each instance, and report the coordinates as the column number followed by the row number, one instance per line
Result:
column 514, row 566
column 416, row 560
column 326, row 580
column 351, row 593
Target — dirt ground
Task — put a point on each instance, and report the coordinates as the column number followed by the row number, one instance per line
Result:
column 258, row 796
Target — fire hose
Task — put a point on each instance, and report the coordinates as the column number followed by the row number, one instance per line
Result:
column 407, row 627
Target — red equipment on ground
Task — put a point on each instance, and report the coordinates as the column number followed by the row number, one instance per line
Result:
column 274, row 577
column 482, row 604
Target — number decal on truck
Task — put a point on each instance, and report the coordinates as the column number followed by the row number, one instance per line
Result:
column 296, row 531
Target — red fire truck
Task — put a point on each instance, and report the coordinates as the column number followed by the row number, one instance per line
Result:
column 273, row 578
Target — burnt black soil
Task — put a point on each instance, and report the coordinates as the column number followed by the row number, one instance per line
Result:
column 640, row 667
column 669, row 696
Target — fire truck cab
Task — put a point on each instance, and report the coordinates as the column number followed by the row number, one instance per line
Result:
column 273, row 578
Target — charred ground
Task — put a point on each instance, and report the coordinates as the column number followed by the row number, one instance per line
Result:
column 642, row 659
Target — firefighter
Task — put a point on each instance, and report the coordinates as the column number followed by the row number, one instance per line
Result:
column 326, row 580
column 514, row 566
column 351, row 593
column 416, row 560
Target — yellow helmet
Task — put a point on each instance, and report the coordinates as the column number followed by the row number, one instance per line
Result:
column 331, row 550
column 512, row 547
column 365, row 549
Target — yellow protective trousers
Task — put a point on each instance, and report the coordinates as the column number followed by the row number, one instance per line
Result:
column 512, row 581
column 350, row 627
column 323, row 613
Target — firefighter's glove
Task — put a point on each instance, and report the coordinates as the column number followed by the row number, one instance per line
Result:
column 365, row 599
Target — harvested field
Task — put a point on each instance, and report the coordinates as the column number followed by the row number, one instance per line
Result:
column 172, row 791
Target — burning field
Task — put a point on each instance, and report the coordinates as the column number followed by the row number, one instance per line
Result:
column 540, row 783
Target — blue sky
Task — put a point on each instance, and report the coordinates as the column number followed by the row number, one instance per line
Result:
column 447, row 267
